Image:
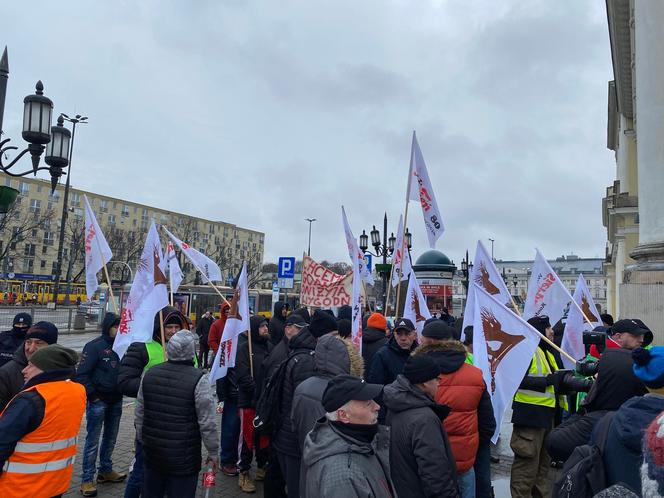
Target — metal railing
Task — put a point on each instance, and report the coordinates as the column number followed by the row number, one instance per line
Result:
column 67, row 319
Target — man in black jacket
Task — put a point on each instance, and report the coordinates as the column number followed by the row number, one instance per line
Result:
column 278, row 322
column 247, row 373
column 202, row 330
column 374, row 337
column 10, row 340
column 98, row 372
column 420, row 453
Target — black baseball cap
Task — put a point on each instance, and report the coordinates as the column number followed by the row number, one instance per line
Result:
column 405, row 324
column 633, row 326
column 297, row 320
column 344, row 388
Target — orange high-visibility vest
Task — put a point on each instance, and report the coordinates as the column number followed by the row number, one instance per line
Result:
column 43, row 461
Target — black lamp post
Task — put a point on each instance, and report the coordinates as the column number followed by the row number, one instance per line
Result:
column 466, row 270
column 515, row 282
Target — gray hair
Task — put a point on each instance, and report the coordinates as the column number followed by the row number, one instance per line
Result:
column 334, row 416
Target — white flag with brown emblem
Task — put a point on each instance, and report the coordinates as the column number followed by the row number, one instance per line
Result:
column 147, row 296
column 237, row 322
column 400, row 258
column 546, row 293
column 175, row 275
column 97, row 251
column 503, row 345
column 356, row 305
column 415, row 307
column 421, row 190
column 576, row 323
column 209, row 270
column 356, row 256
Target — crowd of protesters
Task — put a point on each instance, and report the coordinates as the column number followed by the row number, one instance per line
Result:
column 408, row 417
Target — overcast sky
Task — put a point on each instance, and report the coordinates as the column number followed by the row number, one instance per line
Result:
column 263, row 113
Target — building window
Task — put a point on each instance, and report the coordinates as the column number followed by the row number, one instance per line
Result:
column 103, row 205
column 29, row 250
column 144, row 224
column 39, row 189
column 75, row 199
column 28, row 265
column 48, row 239
column 125, row 210
column 23, row 188
column 115, row 205
column 35, row 206
column 8, row 182
column 111, row 219
column 133, row 222
column 54, row 266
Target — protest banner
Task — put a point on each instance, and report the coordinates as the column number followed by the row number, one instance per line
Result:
column 322, row 288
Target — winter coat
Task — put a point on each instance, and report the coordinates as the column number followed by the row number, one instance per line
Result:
column 298, row 369
column 336, row 465
column 277, row 323
column 388, row 362
column 615, row 384
column 175, row 409
column 334, row 356
column 10, row 340
column 574, row 431
column 260, row 347
column 420, row 451
column 372, row 341
column 623, row 454
column 203, row 329
column 136, row 358
column 11, row 378
column 217, row 327
column 461, row 387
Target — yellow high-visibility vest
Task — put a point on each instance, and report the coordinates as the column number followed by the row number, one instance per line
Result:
column 540, row 367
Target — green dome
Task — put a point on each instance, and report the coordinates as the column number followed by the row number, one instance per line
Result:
column 433, row 257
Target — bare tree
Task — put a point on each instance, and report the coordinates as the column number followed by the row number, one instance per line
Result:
column 127, row 246
column 75, row 245
column 339, row 267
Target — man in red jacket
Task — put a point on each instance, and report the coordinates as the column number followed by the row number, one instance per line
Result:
column 217, row 328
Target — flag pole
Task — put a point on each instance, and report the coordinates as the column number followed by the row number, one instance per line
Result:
column 403, row 242
column 163, row 337
column 108, row 279
column 251, row 354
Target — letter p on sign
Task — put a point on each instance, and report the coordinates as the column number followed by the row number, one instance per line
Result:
column 286, row 267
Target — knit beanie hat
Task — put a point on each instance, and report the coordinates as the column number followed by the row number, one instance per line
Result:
column 652, row 469
column 54, row 357
column 420, row 368
column 45, row 331
column 649, row 366
column 438, row 329
column 377, row 321
column 322, row 323
column 23, row 319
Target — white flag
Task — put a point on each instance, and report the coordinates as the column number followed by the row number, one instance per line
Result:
column 503, row 346
column 356, row 303
column 546, row 293
column 147, row 296
column 97, row 252
column 175, row 275
column 237, row 322
column 415, row 307
column 400, row 259
column 208, row 268
column 420, row 189
column 576, row 323
column 356, row 256
column 486, row 275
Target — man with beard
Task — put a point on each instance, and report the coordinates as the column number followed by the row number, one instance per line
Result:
column 10, row 340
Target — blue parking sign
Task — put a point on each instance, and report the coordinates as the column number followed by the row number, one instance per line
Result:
column 286, row 267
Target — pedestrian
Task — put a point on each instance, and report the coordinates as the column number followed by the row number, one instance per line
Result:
column 98, row 372
column 461, row 387
column 333, row 356
column 345, row 330
column 140, row 358
column 10, row 340
column 420, row 452
column 374, row 337
column 38, row 428
column 247, row 372
column 533, row 415
column 175, row 410
column 347, row 452
column 447, row 318
column 39, row 335
column 322, row 322
column 217, row 328
column 278, row 321
column 202, row 330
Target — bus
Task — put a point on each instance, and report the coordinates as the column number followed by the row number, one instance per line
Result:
column 26, row 292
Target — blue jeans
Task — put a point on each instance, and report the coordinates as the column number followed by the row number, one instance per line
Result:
column 135, row 480
column 230, row 434
column 98, row 414
column 483, row 471
column 467, row 484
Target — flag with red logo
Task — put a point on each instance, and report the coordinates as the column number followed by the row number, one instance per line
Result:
column 356, row 256
column 576, row 323
column 209, row 269
column 237, row 323
column 175, row 275
column 546, row 293
column 400, row 260
column 147, row 296
column 356, row 304
column 97, row 251
column 420, row 189
column 415, row 306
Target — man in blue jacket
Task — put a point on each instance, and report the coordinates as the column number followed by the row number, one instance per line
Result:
column 98, row 372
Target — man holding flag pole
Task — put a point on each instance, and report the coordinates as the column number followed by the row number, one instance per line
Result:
column 97, row 254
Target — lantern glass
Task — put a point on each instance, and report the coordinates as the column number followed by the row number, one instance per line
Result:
column 57, row 151
column 390, row 243
column 375, row 237
column 37, row 113
column 364, row 241
column 409, row 239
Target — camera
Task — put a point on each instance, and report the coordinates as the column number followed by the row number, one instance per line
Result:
column 587, row 368
column 596, row 337
column 569, row 382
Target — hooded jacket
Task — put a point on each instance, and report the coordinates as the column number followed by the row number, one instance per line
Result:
column 461, row 387
column 136, row 358
column 623, row 454
column 388, row 362
column 334, row 356
column 299, row 368
column 277, row 323
column 335, row 464
column 260, row 347
column 175, row 409
column 419, row 446
column 11, row 339
column 99, row 365
column 11, row 378
column 217, row 327
column 372, row 341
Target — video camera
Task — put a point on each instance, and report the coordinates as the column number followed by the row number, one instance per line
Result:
column 568, row 382
column 596, row 337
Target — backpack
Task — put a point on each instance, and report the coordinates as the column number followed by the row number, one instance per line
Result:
column 268, row 407
column 583, row 473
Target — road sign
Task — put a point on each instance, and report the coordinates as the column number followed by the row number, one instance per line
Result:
column 275, row 293
column 286, row 268
column 368, row 259
column 285, row 283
